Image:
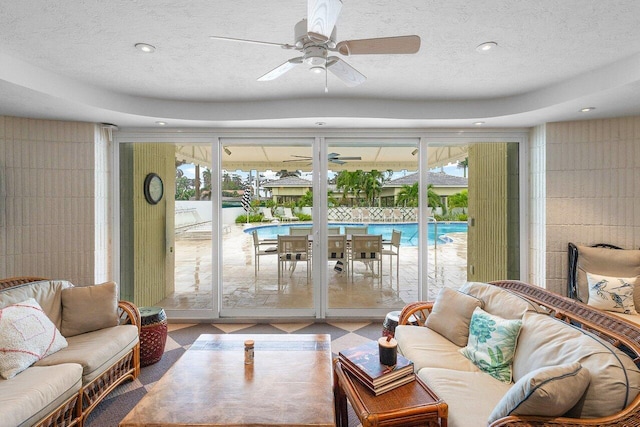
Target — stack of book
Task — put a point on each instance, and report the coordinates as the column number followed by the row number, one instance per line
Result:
column 363, row 362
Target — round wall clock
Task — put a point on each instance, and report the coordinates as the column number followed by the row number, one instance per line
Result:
column 153, row 188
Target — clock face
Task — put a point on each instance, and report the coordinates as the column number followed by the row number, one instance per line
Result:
column 153, row 188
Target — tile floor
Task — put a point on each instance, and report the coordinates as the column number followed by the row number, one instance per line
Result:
column 180, row 336
column 243, row 289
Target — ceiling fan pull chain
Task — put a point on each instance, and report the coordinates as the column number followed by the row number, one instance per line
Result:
column 326, row 80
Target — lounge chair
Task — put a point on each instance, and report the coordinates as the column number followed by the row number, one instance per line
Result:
column 398, row 215
column 267, row 215
column 288, row 215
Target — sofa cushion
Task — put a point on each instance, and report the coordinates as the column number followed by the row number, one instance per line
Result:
column 89, row 308
column 492, row 343
column 612, row 293
column 46, row 292
column 550, row 391
column 35, row 392
column 26, row 336
column 607, row 262
column 499, row 301
column 426, row 347
column 546, row 341
column 470, row 395
column 95, row 351
column 451, row 315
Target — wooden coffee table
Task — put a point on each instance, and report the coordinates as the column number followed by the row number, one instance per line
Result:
column 413, row 404
column 290, row 383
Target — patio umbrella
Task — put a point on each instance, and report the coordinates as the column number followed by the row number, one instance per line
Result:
column 246, row 201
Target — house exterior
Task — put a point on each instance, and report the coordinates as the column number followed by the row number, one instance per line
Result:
column 443, row 184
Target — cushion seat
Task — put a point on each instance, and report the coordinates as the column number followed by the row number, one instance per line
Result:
column 462, row 390
column 426, row 347
column 25, row 398
column 116, row 342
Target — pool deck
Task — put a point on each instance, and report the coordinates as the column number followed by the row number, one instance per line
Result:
column 241, row 289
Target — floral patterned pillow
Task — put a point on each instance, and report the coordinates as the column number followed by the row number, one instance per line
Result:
column 611, row 293
column 492, row 343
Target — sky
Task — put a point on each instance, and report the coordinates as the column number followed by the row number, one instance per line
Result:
column 189, row 172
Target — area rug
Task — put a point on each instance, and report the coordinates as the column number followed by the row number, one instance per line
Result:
column 118, row 404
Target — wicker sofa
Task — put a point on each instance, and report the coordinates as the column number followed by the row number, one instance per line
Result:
column 99, row 340
column 572, row 365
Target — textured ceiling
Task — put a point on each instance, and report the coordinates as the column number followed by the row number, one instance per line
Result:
column 76, row 60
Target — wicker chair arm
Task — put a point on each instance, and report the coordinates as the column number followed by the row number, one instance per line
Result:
column 129, row 314
column 420, row 310
column 15, row 281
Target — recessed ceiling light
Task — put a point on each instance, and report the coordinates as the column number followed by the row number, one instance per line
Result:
column 478, row 123
column 160, row 123
column 587, row 109
column 487, row 46
column 146, row 48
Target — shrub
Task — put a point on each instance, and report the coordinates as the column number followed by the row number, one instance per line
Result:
column 252, row 218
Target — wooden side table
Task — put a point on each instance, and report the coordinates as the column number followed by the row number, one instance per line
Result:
column 413, row 404
column 153, row 334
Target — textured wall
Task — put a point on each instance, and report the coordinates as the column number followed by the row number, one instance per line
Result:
column 493, row 246
column 592, row 188
column 537, row 207
column 48, row 201
column 151, row 237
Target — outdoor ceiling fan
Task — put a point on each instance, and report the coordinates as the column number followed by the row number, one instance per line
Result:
column 332, row 157
column 315, row 37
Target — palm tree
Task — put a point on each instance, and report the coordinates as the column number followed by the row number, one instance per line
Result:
column 349, row 182
column 408, row 195
column 285, row 173
column 464, row 164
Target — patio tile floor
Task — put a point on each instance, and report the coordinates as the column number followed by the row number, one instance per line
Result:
column 193, row 277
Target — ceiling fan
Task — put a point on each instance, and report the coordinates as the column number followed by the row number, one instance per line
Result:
column 332, row 157
column 315, row 37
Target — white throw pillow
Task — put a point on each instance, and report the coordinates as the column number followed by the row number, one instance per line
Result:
column 26, row 336
column 492, row 343
column 550, row 391
column 612, row 293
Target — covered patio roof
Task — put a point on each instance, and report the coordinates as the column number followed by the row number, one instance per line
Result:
column 292, row 157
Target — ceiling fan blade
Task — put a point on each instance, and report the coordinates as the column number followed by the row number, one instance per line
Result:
column 322, row 16
column 280, row 69
column 348, row 158
column 383, row 45
column 336, row 161
column 345, row 72
column 231, row 39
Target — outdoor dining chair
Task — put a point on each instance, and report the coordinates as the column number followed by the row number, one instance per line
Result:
column 291, row 251
column 261, row 248
column 392, row 249
column 367, row 248
column 300, row 231
column 338, row 251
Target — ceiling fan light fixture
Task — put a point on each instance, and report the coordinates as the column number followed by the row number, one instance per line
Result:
column 317, row 69
column 486, row 46
column 144, row 47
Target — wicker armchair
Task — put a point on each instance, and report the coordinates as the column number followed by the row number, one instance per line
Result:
column 615, row 330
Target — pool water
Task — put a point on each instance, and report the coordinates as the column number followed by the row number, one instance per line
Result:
column 409, row 230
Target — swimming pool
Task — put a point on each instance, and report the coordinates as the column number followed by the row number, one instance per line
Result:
column 409, row 230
